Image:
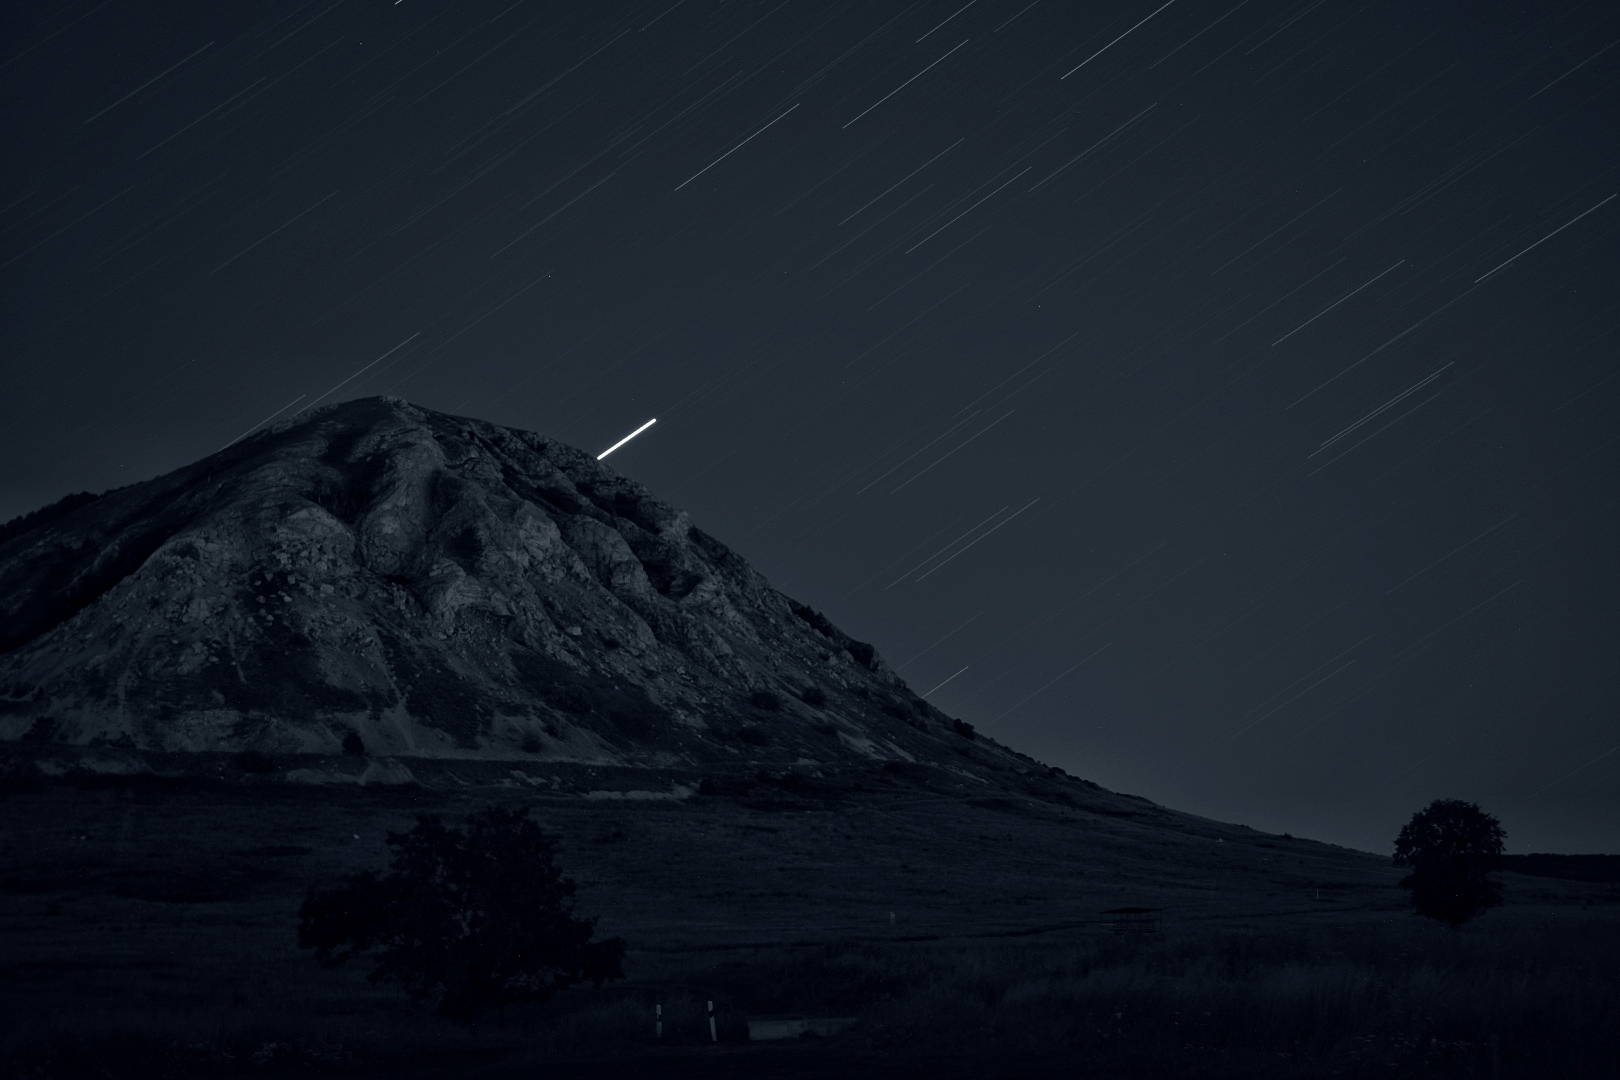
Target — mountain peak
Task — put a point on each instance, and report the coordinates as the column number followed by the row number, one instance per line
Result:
column 441, row 586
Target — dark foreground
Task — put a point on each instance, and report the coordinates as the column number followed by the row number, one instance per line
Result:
column 147, row 929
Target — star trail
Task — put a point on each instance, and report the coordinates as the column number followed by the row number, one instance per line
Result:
column 1236, row 380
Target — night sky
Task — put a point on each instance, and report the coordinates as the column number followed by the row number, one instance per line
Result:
column 1216, row 400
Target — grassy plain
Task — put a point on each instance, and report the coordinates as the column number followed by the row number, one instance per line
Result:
column 147, row 929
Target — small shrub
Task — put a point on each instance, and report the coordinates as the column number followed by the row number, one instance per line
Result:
column 764, row 699
column 753, row 735
column 255, row 763
column 531, row 743
column 963, row 728
column 472, row 920
column 353, row 745
column 814, row 696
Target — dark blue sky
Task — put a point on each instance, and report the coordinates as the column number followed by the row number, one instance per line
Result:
column 1217, row 399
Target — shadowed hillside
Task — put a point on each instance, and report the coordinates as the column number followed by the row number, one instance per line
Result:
column 441, row 586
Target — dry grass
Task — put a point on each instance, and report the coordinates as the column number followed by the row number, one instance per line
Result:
column 115, row 961
column 1507, row 997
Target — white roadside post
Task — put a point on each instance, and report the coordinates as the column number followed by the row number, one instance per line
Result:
column 714, row 1036
column 658, row 1021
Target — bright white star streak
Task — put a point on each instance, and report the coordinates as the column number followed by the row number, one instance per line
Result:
column 627, row 438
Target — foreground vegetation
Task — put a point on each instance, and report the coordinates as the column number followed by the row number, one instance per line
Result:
column 1511, row 995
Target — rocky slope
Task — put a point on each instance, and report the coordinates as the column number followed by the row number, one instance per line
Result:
column 441, row 587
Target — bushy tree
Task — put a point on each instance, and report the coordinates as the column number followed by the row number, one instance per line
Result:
column 1452, row 846
column 471, row 919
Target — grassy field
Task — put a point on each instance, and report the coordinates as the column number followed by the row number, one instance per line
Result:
column 146, row 929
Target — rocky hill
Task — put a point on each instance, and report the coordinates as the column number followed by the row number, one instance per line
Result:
column 440, row 587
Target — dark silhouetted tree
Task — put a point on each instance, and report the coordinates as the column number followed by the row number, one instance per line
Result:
column 1452, row 846
column 470, row 920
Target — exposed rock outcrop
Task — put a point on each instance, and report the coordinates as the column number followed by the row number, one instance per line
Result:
column 443, row 587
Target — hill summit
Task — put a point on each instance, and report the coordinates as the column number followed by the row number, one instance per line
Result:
column 441, row 587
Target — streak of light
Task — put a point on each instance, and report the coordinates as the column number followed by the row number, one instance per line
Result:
column 1259, row 602
column 851, row 51
column 1284, row 640
column 1192, row 39
column 480, row 58
column 1456, row 174
column 1065, row 607
column 268, row 235
column 149, row 82
column 891, row 564
column 1375, row 434
column 914, row 657
column 914, row 197
column 1295, row 698
column 1287, row 24
column 1268, row 307
column 735, row 37
column 1443, row 558
column 1382, row 347
column 1299, row 680
column 905, row 84
column 1549, row 236
column 66, row 227
column 1116, row 41
column 555, row 212
column 53, row 33
column 958, row 11
column 666, row 11
column 954, row 449
column 1402, row 658
column 1064, row 167
column 295, row 31
column 819, row 184
column 1330, row 307
column 1108, row 243
column 964, row 668
column 263, row 422
column 201, row 118
column 1049, row 683
column 917, row 451
column 908, row 176
column 1583, row 393
column 581, row 167
column 1009, row 22
column 13, row 205
column 944, row 549
column 284, row 75
column 361, row 372
column 438, row 350
column 627, row 438
column 998, row 525
column 677, row 116
column 1573, row 70
column 903, row 326
column 1272, row 233
column 1017, row 373
column 728, row 153
column 963, row 214
column 1572, row 772
column 1391, row 403
column 1311, row 45
column 929, row 267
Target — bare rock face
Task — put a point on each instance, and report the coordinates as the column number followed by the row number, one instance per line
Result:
column 441, row 587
